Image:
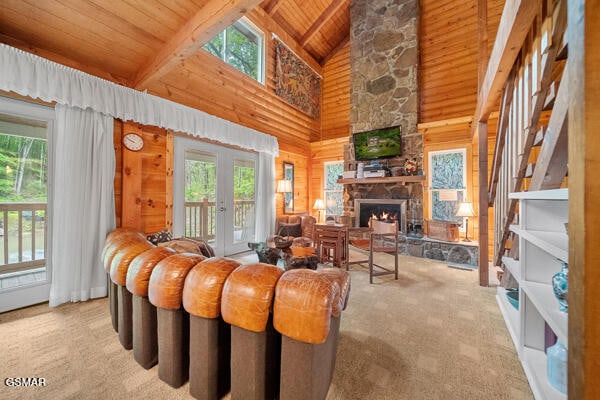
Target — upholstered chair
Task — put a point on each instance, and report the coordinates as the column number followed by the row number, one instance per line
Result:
column 246, row 305
column 165, row 292
column 306, row 312
column 114, row 241
column 145, row 338
column 210, row 336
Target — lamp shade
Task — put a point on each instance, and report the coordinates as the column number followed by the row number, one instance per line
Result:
column 465, row 210
column 284, row 186
column 319, row 205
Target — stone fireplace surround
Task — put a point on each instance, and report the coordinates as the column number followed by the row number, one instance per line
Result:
column 384, row 93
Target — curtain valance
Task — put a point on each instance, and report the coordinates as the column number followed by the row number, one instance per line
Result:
column 36, row 77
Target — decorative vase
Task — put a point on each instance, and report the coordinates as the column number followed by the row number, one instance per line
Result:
column 560, row 284
column 556, row 364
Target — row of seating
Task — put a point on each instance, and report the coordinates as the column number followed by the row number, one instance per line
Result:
column 252, row 330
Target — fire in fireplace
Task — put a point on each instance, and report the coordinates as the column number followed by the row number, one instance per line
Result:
column 382, row 209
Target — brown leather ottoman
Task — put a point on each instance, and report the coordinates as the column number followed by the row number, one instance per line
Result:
column 114, row 240
column 210, row 336
column 118, row 275
column 255, row 346
column 165, row 292
column 143, row 313
column 304, row 305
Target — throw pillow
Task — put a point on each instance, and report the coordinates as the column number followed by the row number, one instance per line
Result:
column 160, row 237
column 286, row 229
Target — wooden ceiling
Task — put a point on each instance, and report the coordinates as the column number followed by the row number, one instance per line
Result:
column 132, row 42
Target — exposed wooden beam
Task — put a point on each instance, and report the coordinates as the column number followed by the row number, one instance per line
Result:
column 215, row 16
column 445, row 122
column 516, row 21
column 323, row 18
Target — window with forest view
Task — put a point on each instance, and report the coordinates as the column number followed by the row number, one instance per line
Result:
column 333, row 191
column 241, row 47
column 23, row 195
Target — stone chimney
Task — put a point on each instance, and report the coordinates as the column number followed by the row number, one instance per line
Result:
column 384, row 90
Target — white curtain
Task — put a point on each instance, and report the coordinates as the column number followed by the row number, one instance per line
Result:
column 36, row 77
column 83, row 209
column 265, row 197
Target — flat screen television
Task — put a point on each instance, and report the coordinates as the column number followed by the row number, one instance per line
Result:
column 378, row 143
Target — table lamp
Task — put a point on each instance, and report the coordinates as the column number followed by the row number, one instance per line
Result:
column 319, row 205
column 466, row 210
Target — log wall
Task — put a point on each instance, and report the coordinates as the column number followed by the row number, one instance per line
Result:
column 335, row 119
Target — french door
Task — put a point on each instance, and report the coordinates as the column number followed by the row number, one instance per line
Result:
column 25, row 274
column 214, row 193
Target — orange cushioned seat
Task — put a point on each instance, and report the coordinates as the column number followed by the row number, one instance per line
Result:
column 118, row 275
column 116, row 240
column 165, row 292
column 304, row 308
column 210, row 336
column 246, row 304
column 143, row 313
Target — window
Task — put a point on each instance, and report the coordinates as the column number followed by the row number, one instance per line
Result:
column 23, row 192
column 241, row 46
column 447, row 183
column 333, row 191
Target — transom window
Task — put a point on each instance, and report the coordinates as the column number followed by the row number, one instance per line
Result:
column 333, row 191
column 241, row 46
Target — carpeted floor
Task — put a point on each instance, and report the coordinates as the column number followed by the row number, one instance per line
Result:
column 433, row 334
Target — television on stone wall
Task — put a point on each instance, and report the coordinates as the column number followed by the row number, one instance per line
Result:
column 378, row 143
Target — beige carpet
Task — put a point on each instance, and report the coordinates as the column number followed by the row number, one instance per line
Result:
column 433, row 334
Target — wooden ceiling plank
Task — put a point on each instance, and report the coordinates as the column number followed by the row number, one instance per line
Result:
column 335, row 50
column 203, row 26
column 517, row 17
column 329, row 12
column 273, row 6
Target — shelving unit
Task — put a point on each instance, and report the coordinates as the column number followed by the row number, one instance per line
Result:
column 387, row 179
column 543, row 241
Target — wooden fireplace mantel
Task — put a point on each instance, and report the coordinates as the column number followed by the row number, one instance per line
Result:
column 387, row 179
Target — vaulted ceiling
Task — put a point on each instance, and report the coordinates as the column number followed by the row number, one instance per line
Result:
column 133, row 42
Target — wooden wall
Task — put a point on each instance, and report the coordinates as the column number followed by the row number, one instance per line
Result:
column 301, row 179
column 143, row 186
column 335, row 119
column 448, row 56
column 206, row 83
column 461, row 139
column 321, row 152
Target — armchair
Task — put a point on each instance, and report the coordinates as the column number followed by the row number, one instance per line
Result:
column 379, row 237
column 299, row 226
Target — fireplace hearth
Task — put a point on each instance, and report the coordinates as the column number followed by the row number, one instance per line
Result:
column 386, row 209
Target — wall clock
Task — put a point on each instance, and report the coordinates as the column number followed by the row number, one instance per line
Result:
column 133, row 141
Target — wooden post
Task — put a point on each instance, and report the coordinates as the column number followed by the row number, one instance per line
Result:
column 484, row 279
column 131, row 213
column 482, row 139
column 204, row 218
column 584, row 199
column 169, row 182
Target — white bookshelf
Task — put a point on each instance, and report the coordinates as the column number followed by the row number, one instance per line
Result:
column 543, row 241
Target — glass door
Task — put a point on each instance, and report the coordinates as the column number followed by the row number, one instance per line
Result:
column 214, row 195
column 25, row 275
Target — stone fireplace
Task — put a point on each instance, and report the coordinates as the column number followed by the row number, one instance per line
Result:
column 384, row 93
column 388, row 210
